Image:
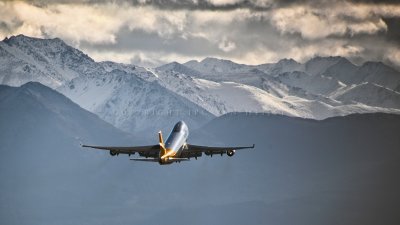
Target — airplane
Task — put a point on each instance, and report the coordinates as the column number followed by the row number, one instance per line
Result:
column 175, row 149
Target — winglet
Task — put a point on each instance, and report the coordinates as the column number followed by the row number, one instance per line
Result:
column 253, row 146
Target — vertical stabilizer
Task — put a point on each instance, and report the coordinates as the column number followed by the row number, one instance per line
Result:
column 161, row 141
column 160, row 138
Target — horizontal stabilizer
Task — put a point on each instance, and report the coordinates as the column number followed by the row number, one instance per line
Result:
column 177, row 159
column 146, row 159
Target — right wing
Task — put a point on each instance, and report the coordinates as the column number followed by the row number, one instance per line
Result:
column 147, row 150
column 213, row 150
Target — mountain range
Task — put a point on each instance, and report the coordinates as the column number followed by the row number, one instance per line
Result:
column 138, row 99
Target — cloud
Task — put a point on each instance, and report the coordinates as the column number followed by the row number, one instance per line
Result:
column 226, row 45
column 147, row 59
column 393, row 56
column 151, row 32
column 316, row 23
column 74, row 23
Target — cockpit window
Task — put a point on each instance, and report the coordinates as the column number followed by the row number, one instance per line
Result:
column 177, row 127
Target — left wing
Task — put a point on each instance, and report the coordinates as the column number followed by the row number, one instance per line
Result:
column 147, row 150
column 212, row 150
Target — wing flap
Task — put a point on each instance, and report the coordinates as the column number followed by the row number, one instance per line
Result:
column 127, row 150
column 146, row 159
column 208, row 149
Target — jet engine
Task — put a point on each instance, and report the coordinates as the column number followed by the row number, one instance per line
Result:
column 113, row 153
column 230, row 153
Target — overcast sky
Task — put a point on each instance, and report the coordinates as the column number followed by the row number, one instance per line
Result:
column 152, row 32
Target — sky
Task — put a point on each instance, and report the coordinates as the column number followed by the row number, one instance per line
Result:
column 154, row 32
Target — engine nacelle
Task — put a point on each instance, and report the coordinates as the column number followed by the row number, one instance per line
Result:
column 113, row 153
column 230, row 153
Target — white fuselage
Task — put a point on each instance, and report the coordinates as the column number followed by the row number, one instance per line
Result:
column 175, row 142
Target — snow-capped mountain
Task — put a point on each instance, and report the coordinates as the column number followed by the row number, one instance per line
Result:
column 134, row 98
column 49, row 61
column 222, row 97
column 222, row 70
column 336, row 67
column 117, row 96
column 293, row 92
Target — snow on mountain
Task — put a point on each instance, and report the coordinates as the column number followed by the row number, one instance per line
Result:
column 130, row 96
column 220, row 70
column 317, row 84
column 293, row 93
column 242, row 74
column 370, row 94
column 108, row 89
column 236, row 97
column 224, row 97
column 131, row 103
column 321, row 110
column 49, row 61
column 316, row 80
column 221, row 97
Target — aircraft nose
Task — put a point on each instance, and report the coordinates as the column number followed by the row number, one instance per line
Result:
column 183, row 123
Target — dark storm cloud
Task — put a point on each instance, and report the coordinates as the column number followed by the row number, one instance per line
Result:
column 202, row 5
column 393, row 31
column 173, row 5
